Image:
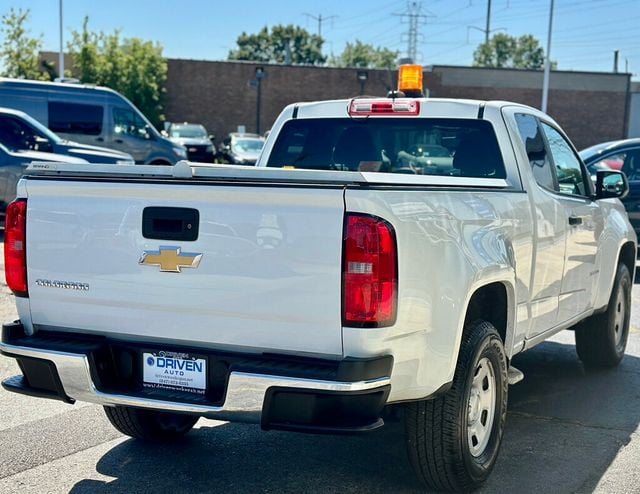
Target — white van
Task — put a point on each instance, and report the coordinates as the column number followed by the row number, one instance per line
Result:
column 91, row 115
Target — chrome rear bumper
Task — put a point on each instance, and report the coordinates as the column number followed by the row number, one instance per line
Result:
column 245, row 394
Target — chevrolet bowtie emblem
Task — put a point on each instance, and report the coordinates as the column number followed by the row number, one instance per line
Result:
column 170, row 259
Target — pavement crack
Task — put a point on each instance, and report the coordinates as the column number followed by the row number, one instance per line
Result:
column 577, row 423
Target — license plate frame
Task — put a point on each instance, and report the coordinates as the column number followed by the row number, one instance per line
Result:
column 174, row 371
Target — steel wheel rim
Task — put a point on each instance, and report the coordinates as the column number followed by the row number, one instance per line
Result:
column 481, row 407
column 619, row 317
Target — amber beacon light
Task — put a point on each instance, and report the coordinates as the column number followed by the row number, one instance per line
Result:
column 410, row 80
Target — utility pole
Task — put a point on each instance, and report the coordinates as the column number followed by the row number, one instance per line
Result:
column 61, row 54
column 256, row 82
column 416, row 17
column 616, row 55
column 547, row 63
column 320, row 20
column 487, row 29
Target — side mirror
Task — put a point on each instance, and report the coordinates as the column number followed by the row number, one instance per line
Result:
column 164, row 133
column 611, row 183
column 212, row 137
column 42, row 144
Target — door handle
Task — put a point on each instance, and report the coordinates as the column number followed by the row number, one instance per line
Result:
column 119, row 141
column 100, row 139
column 575, row 220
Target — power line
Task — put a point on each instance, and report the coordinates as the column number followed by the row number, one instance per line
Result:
column 359, row 18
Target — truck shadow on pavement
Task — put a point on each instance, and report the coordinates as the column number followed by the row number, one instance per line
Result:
column 564, row 429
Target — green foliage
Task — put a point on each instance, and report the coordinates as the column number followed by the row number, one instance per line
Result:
column 364, row 55
column 131, row 66
column 86, row 58
column 19, row 51
column 270, row 46
column 503, row 50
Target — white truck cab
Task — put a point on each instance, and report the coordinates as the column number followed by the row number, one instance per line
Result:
column 383, row 252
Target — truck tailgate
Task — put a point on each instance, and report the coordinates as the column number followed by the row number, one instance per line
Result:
column 269, row 278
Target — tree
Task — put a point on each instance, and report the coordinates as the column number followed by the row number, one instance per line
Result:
column 19, row 51
column 503, row 50
column 271, row 46
column 529, row 54
column 86, row 58
column 364, row 55
column 131, row 66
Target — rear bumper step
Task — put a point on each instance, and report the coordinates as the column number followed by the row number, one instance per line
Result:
column 285, row 401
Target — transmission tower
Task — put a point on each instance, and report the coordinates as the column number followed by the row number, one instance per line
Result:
column 416, row 18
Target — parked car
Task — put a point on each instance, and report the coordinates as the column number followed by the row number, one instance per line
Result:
column 621, row 155
column 91, row 115
column 13, row 165
column 20, row 132
column 242, row 149
column 195, row 138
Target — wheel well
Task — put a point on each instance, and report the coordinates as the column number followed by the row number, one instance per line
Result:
column 490, row 304
column 628, row 257
column 160, row 162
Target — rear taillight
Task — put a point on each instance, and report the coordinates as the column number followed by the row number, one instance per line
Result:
column 370, row 272
column 15, row 254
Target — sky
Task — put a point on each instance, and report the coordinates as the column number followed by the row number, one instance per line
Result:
column 584, row 36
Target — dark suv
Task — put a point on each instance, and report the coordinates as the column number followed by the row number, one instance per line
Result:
column 194, row 137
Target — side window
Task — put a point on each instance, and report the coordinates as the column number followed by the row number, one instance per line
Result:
column 536, row 150
column 610, row 162
column 626, row 161
column 127, row 122
column 16, row 135
column 571, row 179
column 73, row 118
column 631, row 164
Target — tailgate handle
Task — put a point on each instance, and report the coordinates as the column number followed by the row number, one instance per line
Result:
column 575, row 220
column 163, row 223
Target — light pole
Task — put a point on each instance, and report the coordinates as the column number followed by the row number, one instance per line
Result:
column 260, row 74
column 547, row 64
column 362, row 75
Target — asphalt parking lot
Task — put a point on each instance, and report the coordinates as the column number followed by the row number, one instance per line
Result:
column 568, row 431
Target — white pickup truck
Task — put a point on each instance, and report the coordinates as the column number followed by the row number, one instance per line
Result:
column 386, row 251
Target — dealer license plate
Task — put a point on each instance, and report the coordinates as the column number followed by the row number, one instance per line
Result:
column 174, row 371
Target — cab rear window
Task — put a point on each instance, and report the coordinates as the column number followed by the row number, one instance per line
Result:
column 457, row 147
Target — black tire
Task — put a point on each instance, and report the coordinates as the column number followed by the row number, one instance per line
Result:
column 150, row 425
column 601, row 339
column 439, row 438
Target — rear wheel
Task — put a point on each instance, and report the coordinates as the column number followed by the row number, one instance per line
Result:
column 453, row 440
column 601, row 339
column 150, row 425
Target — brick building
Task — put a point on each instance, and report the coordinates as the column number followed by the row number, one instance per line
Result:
column 591, row 107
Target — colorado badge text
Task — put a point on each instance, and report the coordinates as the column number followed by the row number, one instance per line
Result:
column 170, row 259
column 68, row 285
